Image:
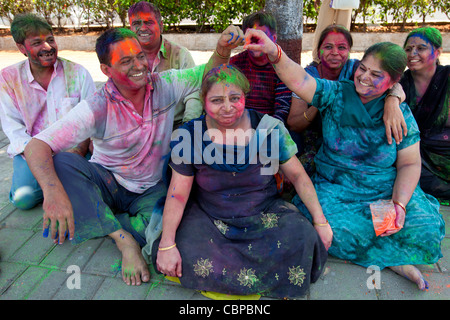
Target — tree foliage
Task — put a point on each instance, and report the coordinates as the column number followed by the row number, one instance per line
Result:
column 208, row 15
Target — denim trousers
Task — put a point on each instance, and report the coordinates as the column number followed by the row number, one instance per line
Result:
column 100, row 204
column 25, row 191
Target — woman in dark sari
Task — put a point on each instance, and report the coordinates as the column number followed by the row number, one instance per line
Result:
column 225, row 227
column 427, row 87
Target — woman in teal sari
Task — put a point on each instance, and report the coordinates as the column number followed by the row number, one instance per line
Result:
column 304, row 119
column 357, row 167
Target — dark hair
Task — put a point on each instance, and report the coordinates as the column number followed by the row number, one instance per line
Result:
column 144, row 6
column 225, row 73
column 338, row 29
column 27, row 24
column 262, row 18
column 392, row 58
column 431, row 34
column 110, row 36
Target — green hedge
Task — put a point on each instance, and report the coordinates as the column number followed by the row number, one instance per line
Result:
column 206, row 13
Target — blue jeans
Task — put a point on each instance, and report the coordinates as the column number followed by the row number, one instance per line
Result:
column 25, row 190
column 100, row 204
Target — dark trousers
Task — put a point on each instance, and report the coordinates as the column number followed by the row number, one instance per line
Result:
column 100, row 204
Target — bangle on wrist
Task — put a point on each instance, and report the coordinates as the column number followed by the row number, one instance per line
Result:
column 400, row 204
column 321, row 224
column 221, row 56
column 304, row 114
column 167, row 248
column 279, row 53
column 394, row 95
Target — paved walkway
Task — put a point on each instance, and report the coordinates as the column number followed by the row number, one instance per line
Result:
column 32, row 267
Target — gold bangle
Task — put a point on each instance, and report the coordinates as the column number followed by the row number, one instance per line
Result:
column 167, row 248
column 321, row 224
column 221, row 56
column 304, row 114
column 400, row 204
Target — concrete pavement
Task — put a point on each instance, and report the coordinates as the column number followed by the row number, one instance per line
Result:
column 33, row 268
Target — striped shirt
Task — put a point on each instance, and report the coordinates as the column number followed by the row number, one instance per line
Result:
column 268, row 95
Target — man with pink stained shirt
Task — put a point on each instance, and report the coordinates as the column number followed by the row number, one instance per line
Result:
column 35, row 93
column 130, row 121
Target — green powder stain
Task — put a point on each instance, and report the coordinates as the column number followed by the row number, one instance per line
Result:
column 117, row 266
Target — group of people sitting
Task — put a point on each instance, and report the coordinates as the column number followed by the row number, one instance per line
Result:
column 179, row 163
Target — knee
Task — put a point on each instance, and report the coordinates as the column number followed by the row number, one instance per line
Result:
column 26, row 197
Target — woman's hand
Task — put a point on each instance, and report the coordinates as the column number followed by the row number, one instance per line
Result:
column 257, row 41
column 394, row 121
column 326, row 234
column 169, row 262
column 399, row 221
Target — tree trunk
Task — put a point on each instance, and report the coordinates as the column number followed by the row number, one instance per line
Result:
column 289, row 17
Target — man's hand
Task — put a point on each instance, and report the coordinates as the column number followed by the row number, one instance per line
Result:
column 58, row 217
column 231, row 38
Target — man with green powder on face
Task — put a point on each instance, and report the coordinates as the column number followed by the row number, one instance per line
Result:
column 130, row 121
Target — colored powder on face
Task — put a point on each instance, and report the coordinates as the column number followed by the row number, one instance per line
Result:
column 124, row 48
column 391, row 56
column 429, row 34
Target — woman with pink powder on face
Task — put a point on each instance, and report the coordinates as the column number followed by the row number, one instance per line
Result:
column 357, row 167
column 225, row 228
column 334, row 45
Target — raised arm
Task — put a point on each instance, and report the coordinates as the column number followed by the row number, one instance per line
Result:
column 291, row 73
column 168, row 260
column 230, row 38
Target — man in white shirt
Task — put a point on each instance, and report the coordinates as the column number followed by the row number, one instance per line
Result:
column 34, row 94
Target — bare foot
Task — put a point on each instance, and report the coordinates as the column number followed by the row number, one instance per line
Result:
column 411, row 273
column 134, row 267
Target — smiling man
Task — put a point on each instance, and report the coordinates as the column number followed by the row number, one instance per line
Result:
column 130, row 122
column 35, row 93
column 162, row 54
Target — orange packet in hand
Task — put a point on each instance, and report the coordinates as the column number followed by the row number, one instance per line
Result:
column 383, row 216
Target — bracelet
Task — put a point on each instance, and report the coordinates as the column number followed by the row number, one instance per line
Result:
column 400, row 204
column 321, row 224
column 279, row 53
column 304, row 114
column 167, row 248
column 221, row 56
column 394, row 95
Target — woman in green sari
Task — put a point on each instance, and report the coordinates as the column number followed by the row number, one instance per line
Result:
column 357, row 167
